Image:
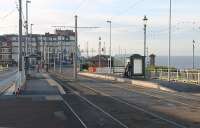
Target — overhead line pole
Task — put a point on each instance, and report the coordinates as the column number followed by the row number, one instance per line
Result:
column 75, row 49
column 99, row 52
column 170, row 24
column 20, row 35
column 145, row 43
column 26, row 45
column 20, row 56
column 110, row 51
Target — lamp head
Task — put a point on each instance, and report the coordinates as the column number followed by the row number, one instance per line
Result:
column 108, row 21
column 145, row 20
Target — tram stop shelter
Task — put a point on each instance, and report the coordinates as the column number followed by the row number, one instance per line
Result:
column 138, row 65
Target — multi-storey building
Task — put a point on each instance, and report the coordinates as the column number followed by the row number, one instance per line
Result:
column 45, row 47
column 5, row 50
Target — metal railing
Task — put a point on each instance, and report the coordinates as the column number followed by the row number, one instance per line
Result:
column 9, row 82
column 114, row 70
column 17, row 80
column 188, row 76
column 3, row 68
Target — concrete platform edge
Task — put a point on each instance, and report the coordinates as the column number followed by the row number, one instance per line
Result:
column 146, row 84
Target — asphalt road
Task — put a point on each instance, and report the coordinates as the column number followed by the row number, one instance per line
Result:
column 105, row 104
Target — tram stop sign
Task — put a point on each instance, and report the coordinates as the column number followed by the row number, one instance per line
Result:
column 138, row 65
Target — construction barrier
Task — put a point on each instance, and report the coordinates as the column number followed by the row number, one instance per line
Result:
column 92, row 69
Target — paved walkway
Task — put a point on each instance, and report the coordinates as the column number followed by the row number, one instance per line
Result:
column 40, row 106
column 34, row 112
column 178, row 86
column 42, row 84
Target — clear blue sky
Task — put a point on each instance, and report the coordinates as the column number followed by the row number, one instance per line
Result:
column 127, row 21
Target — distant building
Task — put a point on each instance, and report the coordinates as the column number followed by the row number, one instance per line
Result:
column 5, row 50
column 103, row 58
column 47, row 46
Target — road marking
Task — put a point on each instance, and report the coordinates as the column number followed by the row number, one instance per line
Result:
column 52, row 82
column 53, row 98
column 57, row 85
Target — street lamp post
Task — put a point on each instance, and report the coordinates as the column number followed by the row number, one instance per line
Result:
column 110, row 52
column 145, row 28
column 31, row 32
column 61, row 53
column 26, row 46
column 170, row 25
column 99, row 52
column 193, row 63
column 20, row 55
column 147, row 53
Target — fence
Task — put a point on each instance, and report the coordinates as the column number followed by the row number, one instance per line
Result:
column 188, row 76
column 8, row 82
column 113, row 70
column 2, row 68
column 15, row 78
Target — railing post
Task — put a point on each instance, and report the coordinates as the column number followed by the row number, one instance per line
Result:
column 177, row 75
column 161, row 71
column 187, row 75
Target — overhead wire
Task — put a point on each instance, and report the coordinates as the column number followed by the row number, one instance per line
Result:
column 7, row 15
column 131, row 6
column 79, row 6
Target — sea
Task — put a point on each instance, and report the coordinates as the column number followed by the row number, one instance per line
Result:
column 180, row 62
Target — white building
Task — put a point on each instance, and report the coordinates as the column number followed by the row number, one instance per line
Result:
column 48, row 47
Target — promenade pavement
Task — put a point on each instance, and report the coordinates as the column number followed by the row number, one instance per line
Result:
column 178, row 86
column 41, row 84
column 40, row 106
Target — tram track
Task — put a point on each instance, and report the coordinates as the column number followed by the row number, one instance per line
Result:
column 115, row 99
column 166, row 96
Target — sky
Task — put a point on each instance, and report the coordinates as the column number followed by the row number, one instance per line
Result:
column 127, row 23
